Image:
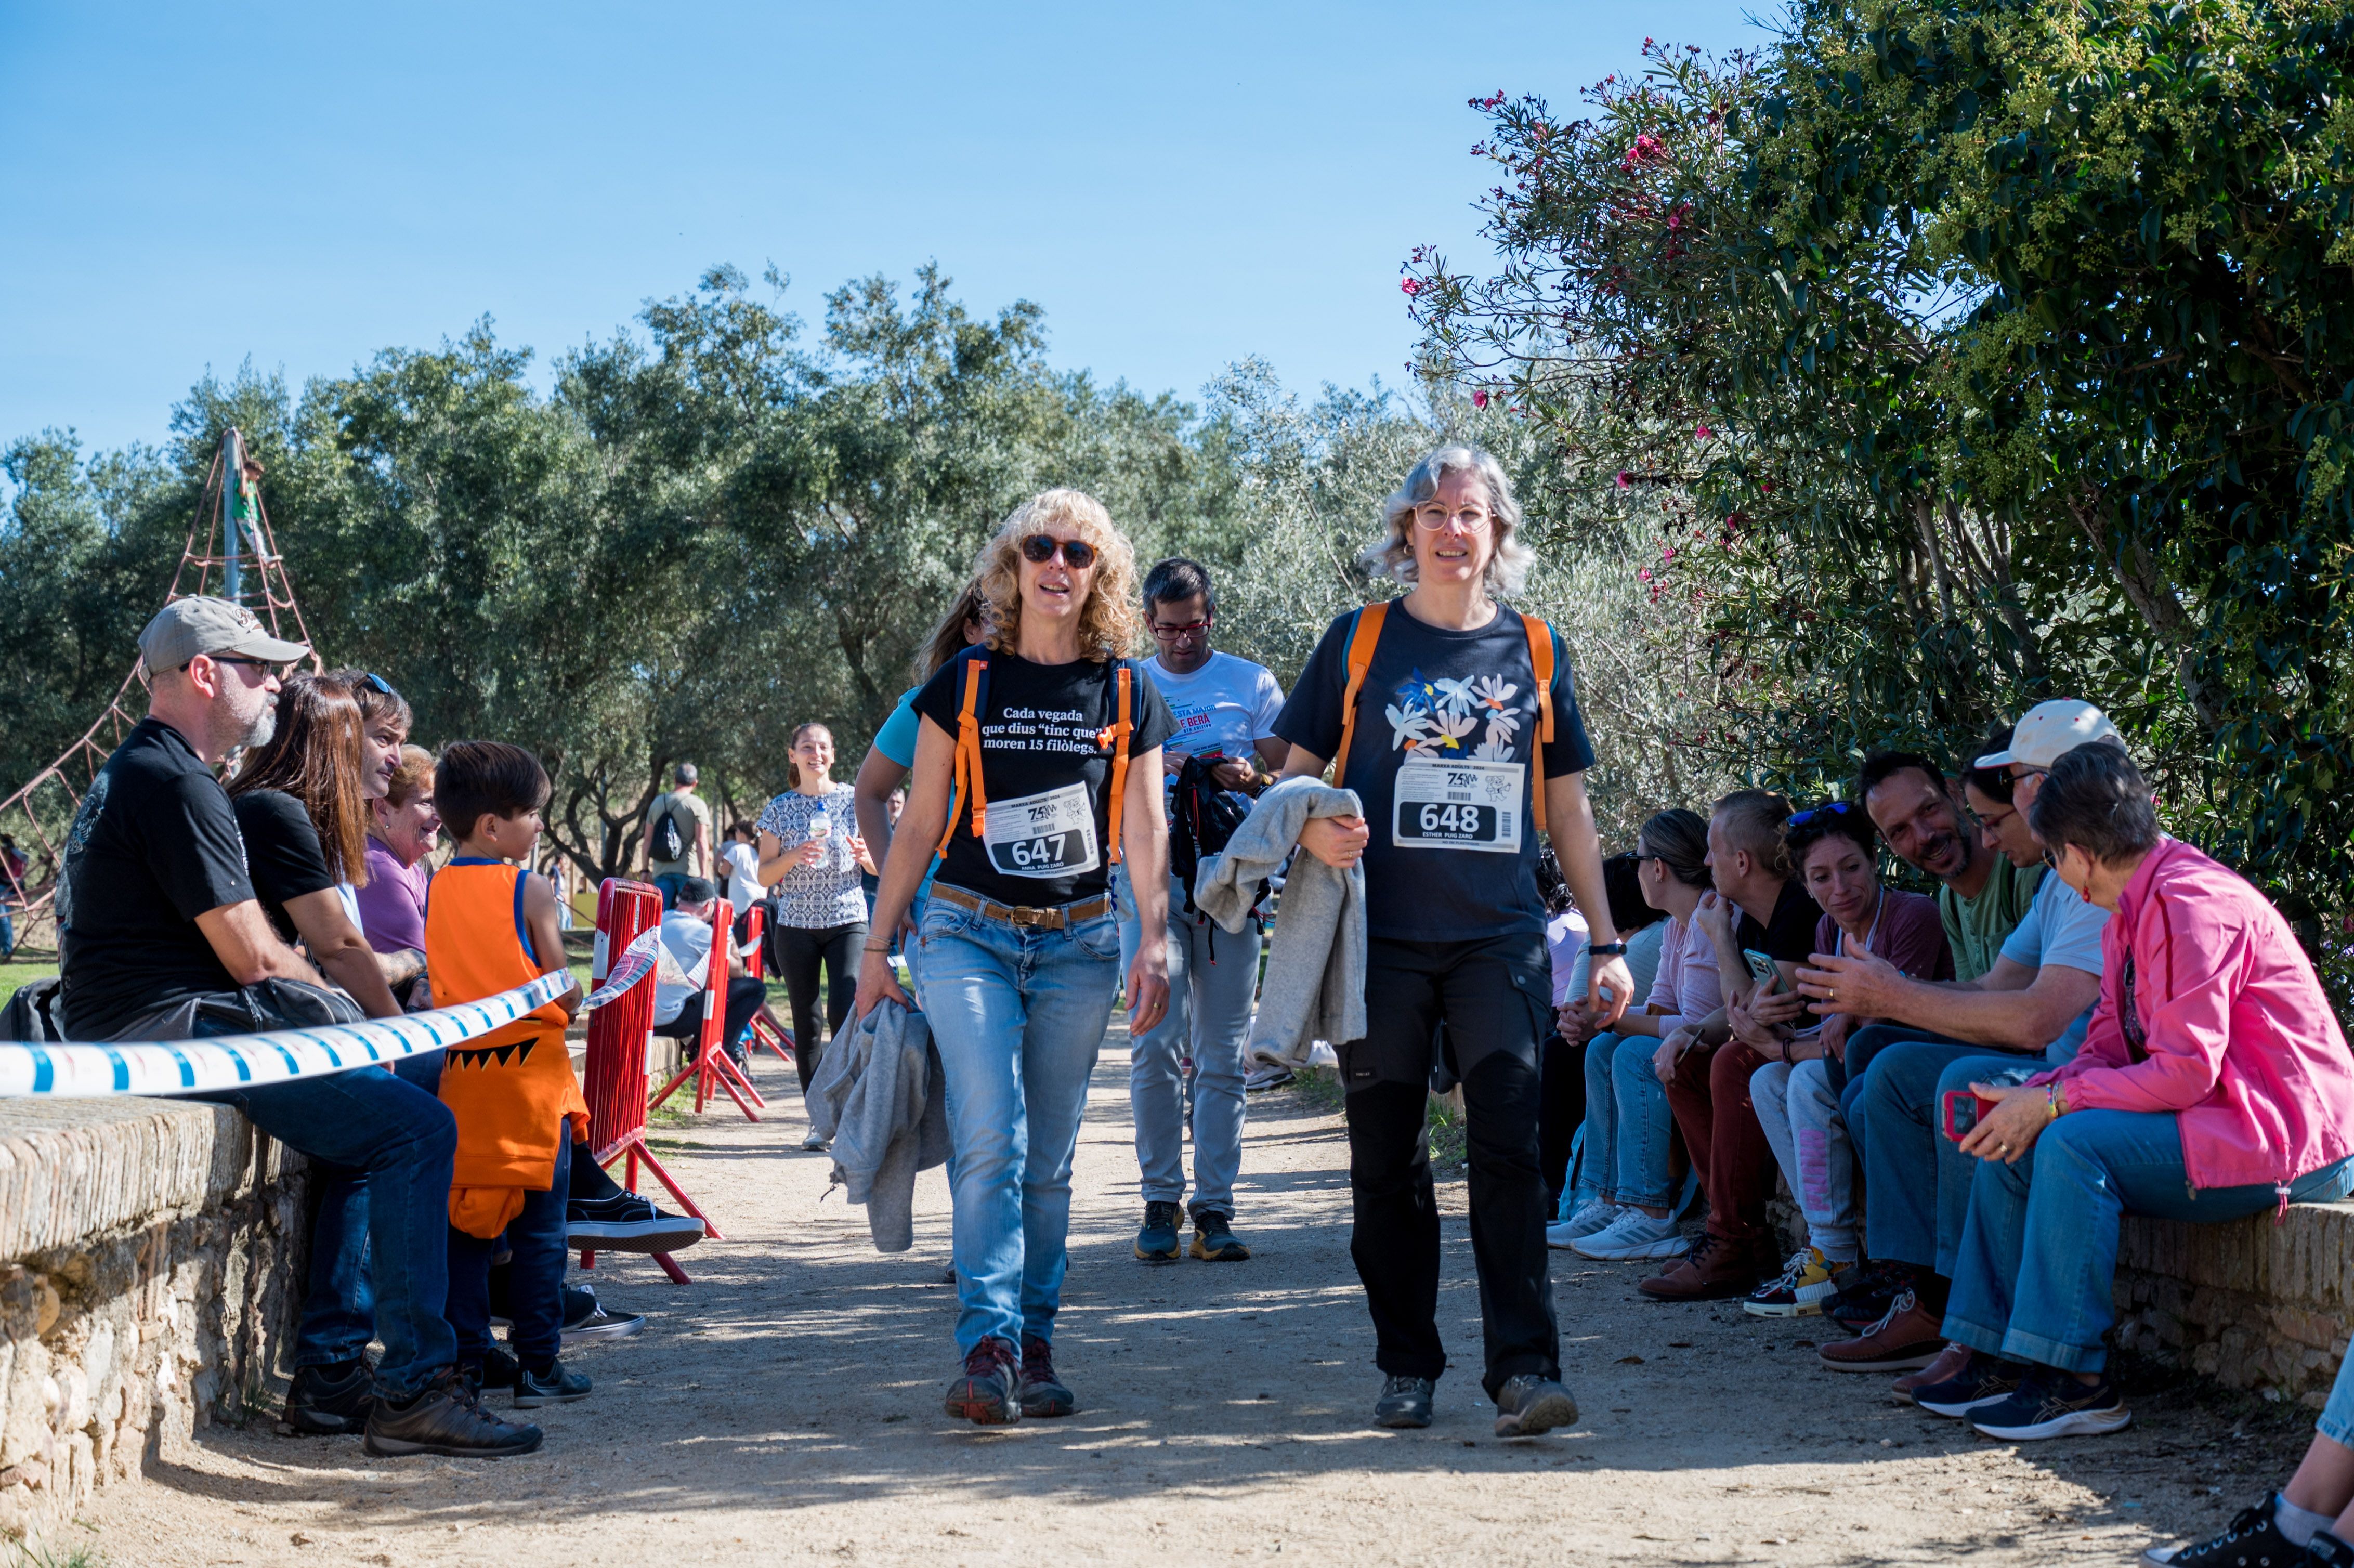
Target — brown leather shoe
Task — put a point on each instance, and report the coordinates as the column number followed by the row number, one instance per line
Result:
column 1951, row 1362
column 1908, row 1337
column 1714, row 1270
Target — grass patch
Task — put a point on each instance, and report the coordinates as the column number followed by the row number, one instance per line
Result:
column 1317, row 1088
column 668, row 1114
column 1443, row 1125
column 22, row 1555
column 21, row 969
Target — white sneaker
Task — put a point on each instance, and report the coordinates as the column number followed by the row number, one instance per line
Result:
column 1592, row 1216
column 1632, row 1237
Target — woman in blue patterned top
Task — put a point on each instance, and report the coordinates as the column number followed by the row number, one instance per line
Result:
column 810, row 856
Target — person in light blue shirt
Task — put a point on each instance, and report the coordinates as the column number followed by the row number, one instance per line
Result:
column 884, row 771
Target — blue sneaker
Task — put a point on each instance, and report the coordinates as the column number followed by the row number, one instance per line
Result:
column 1986, row 1380
column 2051, row 1403
column 1157, row 1241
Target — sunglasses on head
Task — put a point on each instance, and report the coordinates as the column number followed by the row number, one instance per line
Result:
column 1040, row 548
column 1836, row 808
column 378, row 684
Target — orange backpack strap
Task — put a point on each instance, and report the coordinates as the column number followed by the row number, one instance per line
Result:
column 1541, row 664
column 1362, row 641
column 967, row 755
column 1118, row 735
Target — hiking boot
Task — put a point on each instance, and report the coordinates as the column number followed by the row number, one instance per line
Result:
column 1043, row 1396
column 1213, row 1239
column 446, row 1417
column 1404, row 1402
column 1909, row 1336
column 1950, row 1363
column 988, row 1392
column 623, row 1221
column 1713, row 1271
column 1807, row 1280
column 1157, row 1241
column 554, row 1387
column 585, row 1318
column 1633, row 1237
column 331, row 1400
column 2252, row 1540
column 1982, row 1380
column 2050, row 1404
column 1528, row 1404
column 1866, row 1290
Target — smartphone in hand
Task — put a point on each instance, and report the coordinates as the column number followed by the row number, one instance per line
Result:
column 1762, row 970
column 1964, row 1108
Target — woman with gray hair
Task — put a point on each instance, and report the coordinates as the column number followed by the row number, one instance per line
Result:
column 1454, row 720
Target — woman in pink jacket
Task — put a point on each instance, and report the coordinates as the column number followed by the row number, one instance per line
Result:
column 2214, row 1083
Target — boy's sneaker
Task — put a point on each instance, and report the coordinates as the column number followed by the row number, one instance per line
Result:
column 2053, row 1404
column 446, row 1417
column 1213, row 1238
column 1908, row 1336
column 554, row 1387
column 1867, row 1290
column 585, row 1318
column 1807, row 1281
column 1528, row 1404
column 499, row 1370
column 1404, row 1402
column 1591, row 1218
column 989, row 1391
column 1984, row 1380
column 627, row 1223
column 2252, row 1540
column 1043, row 1396
column 1633, row 1237
column 1713, row 1271
column 331, row 1400
column 1156, row 1241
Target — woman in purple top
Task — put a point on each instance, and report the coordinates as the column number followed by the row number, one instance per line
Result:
column 402, row 831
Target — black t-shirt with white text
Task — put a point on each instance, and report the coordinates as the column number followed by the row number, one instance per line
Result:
column 282, row 853
column 1446, row 729
column 1045, row 767
column 154, row 845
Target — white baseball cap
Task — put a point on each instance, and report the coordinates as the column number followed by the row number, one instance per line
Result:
column 2052, row 728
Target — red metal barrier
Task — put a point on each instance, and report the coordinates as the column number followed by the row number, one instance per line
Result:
column 615, row 1083
column 765, row 1028
column 713, row 1068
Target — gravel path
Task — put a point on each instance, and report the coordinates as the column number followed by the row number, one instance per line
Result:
column 787, row 1405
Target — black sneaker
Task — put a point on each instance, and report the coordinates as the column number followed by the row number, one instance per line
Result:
column 1986, row 1380
column 586, row 1318
column 1215, row 1240
column 1157, row 1242
column 499, row 1370
column 1404, row 1402
column 1043, row 1396
column 554, row 1387
column 331, row 1400
column 2326, row 1550
column 446, row 1417
column 988, row 1392
column 1869, row 1290
column 1528, row 1404
column 2053, row 1404
column 2252, row 1540
column 627, row 1223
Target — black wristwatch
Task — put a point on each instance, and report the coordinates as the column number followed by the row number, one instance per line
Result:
column 1606, row 950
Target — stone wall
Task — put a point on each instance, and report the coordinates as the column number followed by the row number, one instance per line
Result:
column 147, row 1260
column 2253, row 1304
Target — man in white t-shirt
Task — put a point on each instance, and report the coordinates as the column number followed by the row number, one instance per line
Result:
column 684, row 967
column 1225, row 708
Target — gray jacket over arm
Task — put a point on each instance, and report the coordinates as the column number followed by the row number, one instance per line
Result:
column 881, row 1096
column 1315, row 984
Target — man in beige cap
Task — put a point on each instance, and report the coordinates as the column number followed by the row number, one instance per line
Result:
column 161, row 938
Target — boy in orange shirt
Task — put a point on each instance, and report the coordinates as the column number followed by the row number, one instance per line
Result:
column 490, row 926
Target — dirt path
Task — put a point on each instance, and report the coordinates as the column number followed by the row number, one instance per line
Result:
column 787, row 1405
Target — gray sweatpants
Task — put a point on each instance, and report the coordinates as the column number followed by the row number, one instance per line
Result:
column 1799, row 1111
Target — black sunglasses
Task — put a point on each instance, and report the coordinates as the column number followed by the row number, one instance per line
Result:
column 1836, row 808
column 1078, row 553
column 270, row 667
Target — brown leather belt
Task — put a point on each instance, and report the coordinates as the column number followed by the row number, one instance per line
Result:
column 1054, row 917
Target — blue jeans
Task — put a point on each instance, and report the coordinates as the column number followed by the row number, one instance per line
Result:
column 2038, row 1257
column 339, row 1303
column 1628, row 1124
column 667, row 884
column 402, row 1138
column 2336, row 1422
column 1018, row 1012
column 535, row 1279
column 1916, row 1179
column 1213, row 974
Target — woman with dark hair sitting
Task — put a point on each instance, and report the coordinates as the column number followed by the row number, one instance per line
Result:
column 2213, row 1083
column 1566, row 1079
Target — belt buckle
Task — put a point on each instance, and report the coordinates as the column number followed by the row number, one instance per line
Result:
column 1046, row 919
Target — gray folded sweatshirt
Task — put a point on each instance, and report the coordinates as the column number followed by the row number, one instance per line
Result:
column 881, row 1096
column 1315, row 983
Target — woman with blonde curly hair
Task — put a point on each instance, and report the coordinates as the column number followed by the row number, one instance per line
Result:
column 1037, row 766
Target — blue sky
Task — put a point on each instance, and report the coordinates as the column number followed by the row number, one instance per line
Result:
column 1178, row 186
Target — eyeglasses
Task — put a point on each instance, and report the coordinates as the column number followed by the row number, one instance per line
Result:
column 1184, row 634
column 1040, row 548
column 1836, row 808
column 2019, row 772
column 270, row 668
column 1434, row 518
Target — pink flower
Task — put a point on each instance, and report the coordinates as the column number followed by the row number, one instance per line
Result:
column 1643, row 576
column 1625, row 480
column 1667, row 553
column 1410, row 287
column 1479, row 399
column 1703, row 432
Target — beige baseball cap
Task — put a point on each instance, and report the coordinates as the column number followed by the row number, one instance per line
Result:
column 2052, row 728
column 201, row 624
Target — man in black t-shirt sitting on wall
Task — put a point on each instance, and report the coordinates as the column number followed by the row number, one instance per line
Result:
column 161, row 938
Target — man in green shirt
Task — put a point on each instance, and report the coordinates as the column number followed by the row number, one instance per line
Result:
column 1981, row 895
column 684, row 809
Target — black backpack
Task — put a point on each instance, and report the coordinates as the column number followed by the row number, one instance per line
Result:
column 1202, row 816
column 666, row 844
